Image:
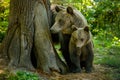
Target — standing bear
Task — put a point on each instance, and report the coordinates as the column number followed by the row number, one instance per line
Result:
column 55, row 36
column 65, row 21
column 81, row 49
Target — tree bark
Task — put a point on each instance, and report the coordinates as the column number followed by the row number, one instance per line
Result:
column 28, row 29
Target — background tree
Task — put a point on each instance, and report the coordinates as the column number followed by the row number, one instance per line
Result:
column 28, row 34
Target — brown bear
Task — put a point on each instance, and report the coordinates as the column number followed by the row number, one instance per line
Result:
column 55, row 36
column 66, row 18
column 65, row 21
column 81, row 49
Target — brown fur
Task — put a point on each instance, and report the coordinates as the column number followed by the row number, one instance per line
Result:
column 81, row 50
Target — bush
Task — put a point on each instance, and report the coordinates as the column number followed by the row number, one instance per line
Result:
column 4, row 10
column 23, row 75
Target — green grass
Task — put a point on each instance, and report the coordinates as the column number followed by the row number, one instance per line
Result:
column 107, row 53
column 23, row 75
column 111, row 61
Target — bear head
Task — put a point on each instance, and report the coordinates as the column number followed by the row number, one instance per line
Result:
column 63, row 20
column 81, row 37
column 66, row 19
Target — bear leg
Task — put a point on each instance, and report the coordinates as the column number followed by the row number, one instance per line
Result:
column 76, row 68
column 64, row 42
column 89, row 61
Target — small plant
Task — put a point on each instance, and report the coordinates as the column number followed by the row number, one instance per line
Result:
column 23, row 75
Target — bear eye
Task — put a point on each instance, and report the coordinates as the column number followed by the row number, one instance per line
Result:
column 74, row 38
column 82, row 39
column 61, row 21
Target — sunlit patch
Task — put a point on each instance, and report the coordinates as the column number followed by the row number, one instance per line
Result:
column 1, row 71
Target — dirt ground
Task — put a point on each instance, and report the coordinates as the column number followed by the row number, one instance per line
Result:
column 99, row 73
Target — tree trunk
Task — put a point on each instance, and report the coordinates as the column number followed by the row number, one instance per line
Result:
column 29, row 29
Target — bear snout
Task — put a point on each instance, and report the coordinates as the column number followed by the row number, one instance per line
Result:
column 52, row 30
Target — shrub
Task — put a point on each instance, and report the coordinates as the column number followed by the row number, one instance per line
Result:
column 4, row 10
column 23, row 75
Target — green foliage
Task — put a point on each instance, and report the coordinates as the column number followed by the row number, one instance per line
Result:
column 4, row 10
column 57, row 47
column 23, row 75
column 107, row 49
column 107, row 16
column 111, row 61
column 102, row 15
column 107, row 52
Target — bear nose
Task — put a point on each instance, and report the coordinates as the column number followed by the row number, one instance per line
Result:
column 52, row 30
column 79, row 46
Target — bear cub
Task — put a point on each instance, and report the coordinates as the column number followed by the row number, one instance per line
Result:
column 81, row 49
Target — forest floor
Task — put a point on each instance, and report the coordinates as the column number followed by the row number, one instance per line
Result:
column 99, row 73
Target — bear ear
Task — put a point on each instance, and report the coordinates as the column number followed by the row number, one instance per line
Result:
column 74, row 28
column 86, row 29
column 57, row 9
column 69, row 10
